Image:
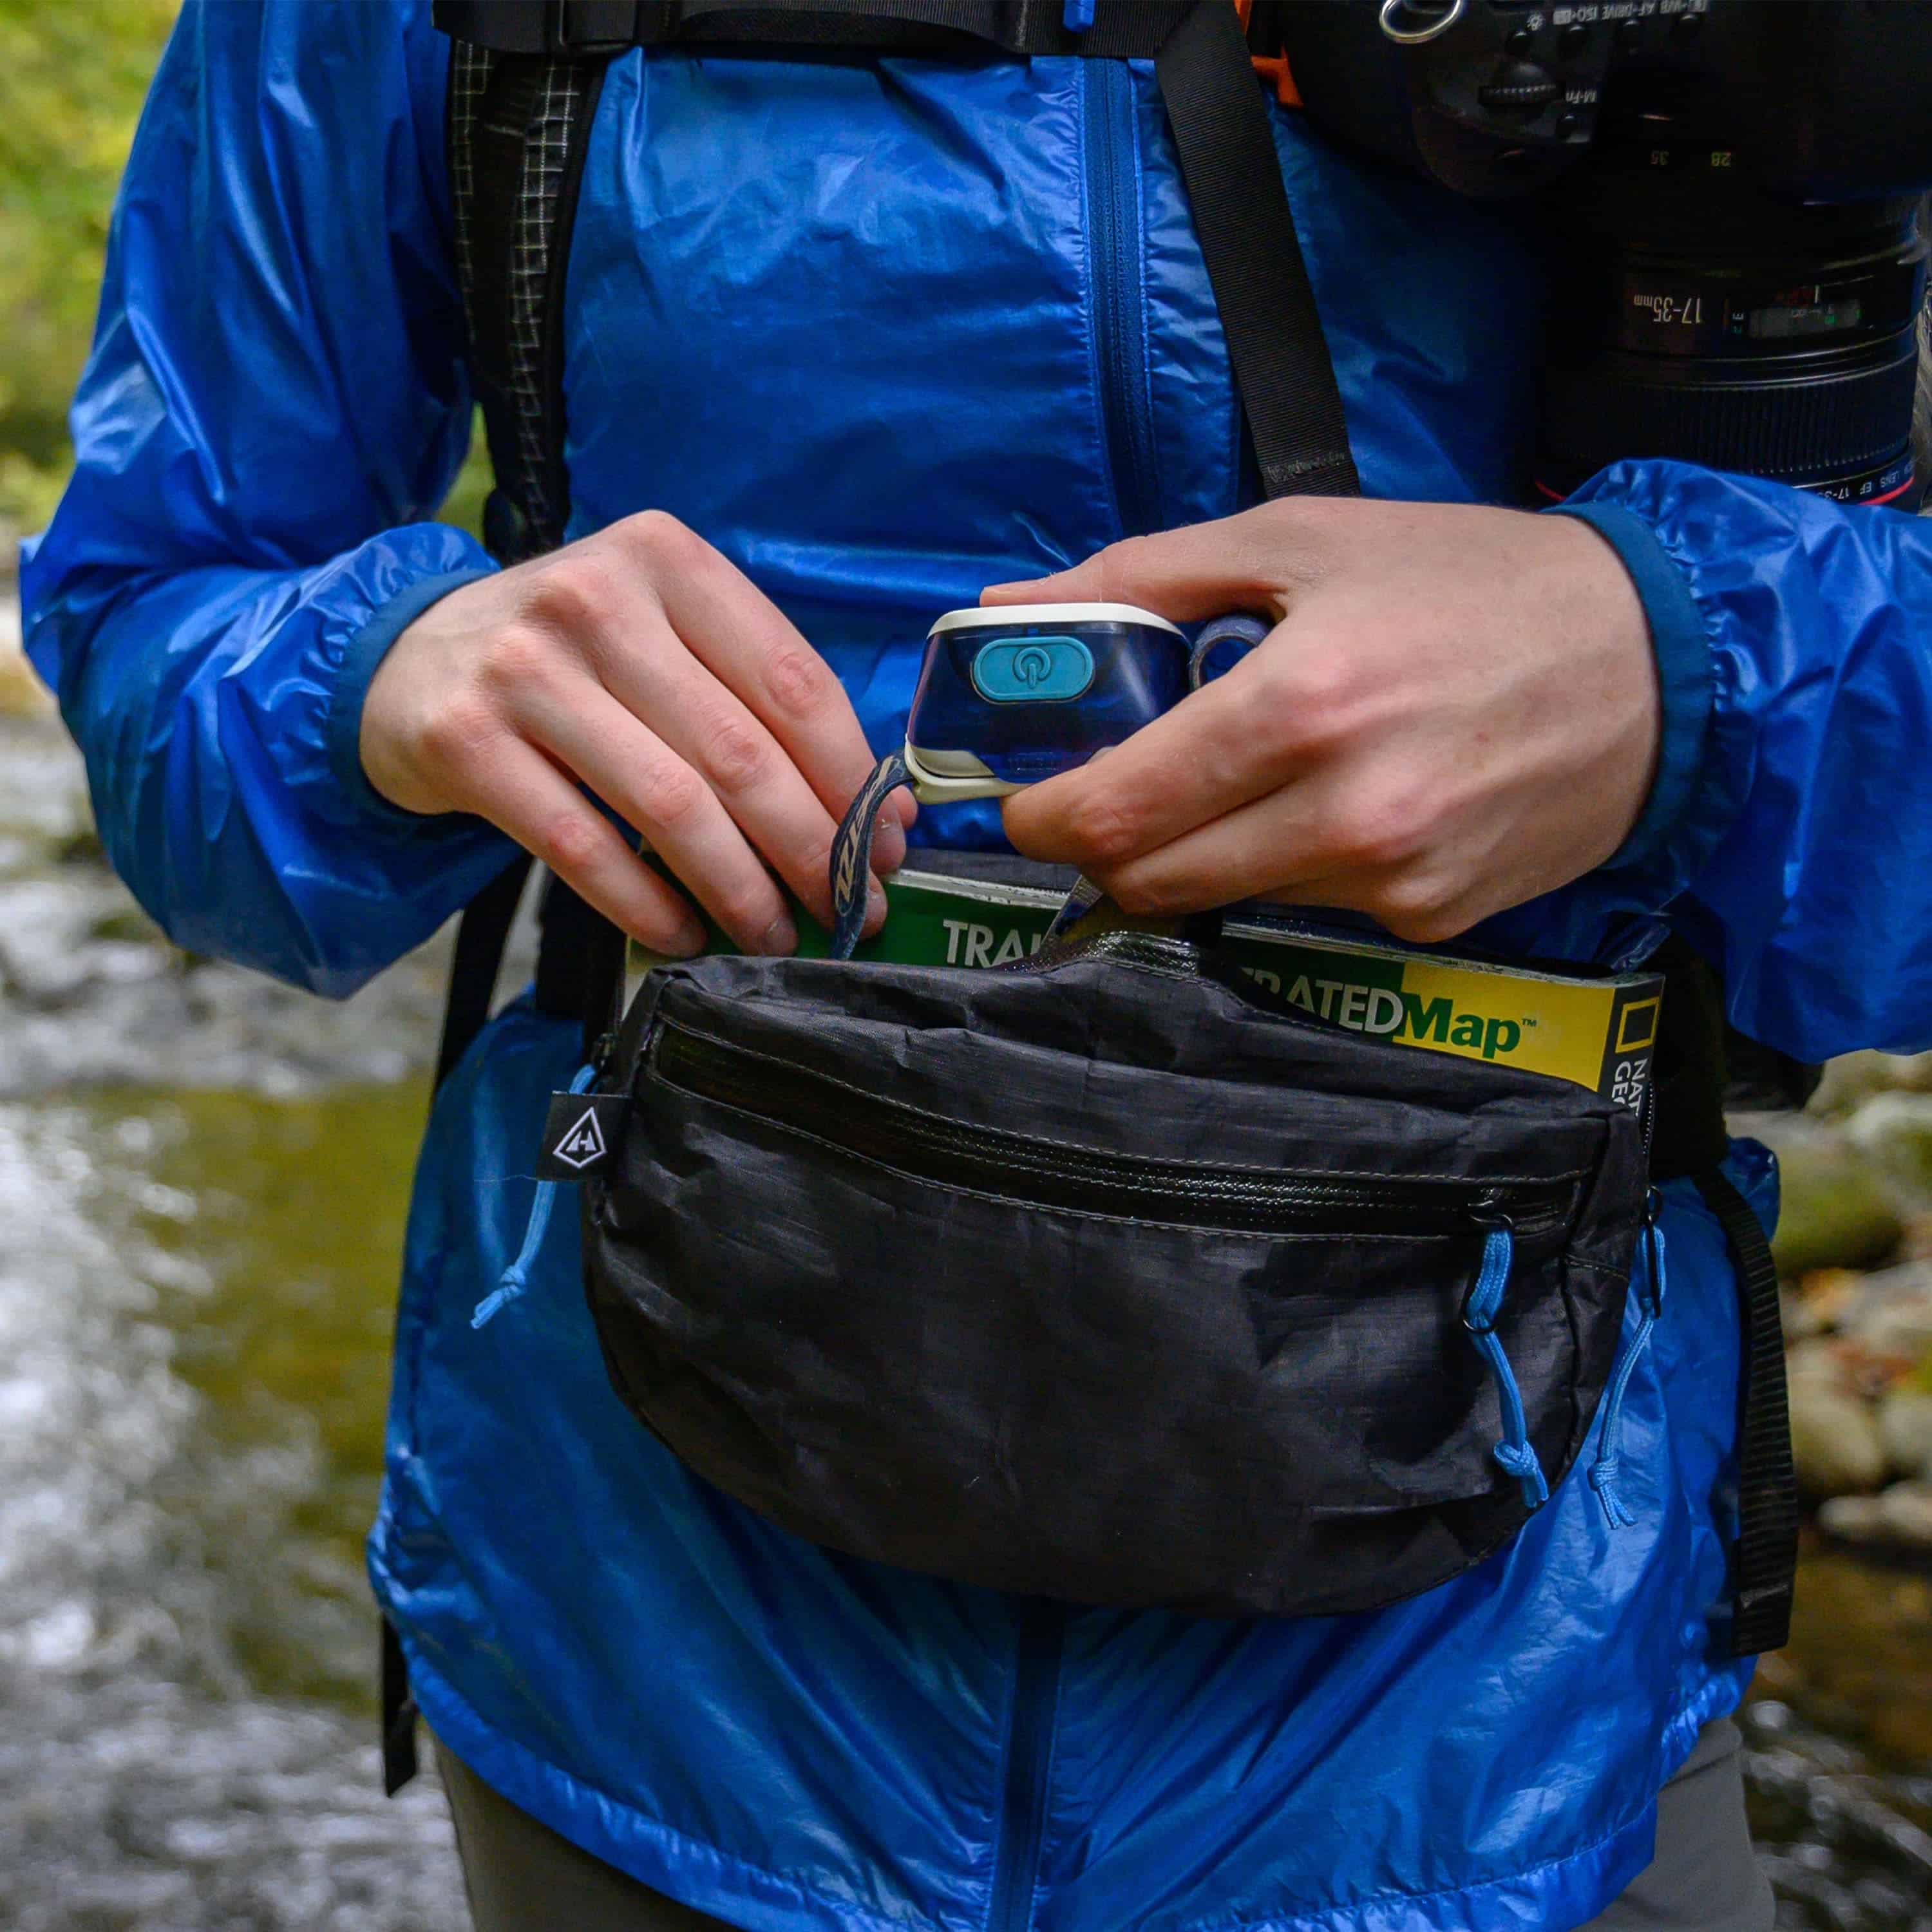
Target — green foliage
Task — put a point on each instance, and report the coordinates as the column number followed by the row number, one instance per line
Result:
column 464, row 505
column 72, row 74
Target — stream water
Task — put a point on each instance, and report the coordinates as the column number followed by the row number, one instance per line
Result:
column 202, row 1179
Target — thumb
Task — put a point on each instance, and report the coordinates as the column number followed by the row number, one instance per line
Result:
column 1238, row 562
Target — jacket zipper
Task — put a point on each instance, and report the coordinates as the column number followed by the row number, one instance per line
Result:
column 1119, row 290
column 1050, row 1174
column 1035, row 1703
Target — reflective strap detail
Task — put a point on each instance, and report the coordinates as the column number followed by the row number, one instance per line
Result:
column 852, row 852
column 515, row 1278
column 1513, row 1453
column 1603, row 1470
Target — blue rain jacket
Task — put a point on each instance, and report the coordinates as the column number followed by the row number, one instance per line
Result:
column 886, row 330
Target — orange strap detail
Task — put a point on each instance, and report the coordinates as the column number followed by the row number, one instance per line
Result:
column 1272, row 67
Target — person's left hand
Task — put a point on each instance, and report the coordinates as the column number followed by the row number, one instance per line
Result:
column 1456, row 710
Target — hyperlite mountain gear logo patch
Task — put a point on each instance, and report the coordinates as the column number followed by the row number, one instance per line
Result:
column 579, row 1132
column 584, row 1143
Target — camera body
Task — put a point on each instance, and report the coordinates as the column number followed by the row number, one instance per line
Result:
column 1817, row 99
column 1728, row 192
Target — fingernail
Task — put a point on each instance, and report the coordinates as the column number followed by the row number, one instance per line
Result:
column 778, row 940
column 875, row 904
column 889, row 844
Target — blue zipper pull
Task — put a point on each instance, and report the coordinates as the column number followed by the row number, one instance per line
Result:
column 1514, row 1452
column 515, row 1278
column 1603, row 1470
column 1077, row 16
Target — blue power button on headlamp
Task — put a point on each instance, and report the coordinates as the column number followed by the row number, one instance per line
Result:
column 1010, row 694
column 1033, row 671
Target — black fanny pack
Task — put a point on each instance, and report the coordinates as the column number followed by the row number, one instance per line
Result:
column 1097, row 1278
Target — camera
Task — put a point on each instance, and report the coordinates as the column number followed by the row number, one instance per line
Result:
column 1728, row 190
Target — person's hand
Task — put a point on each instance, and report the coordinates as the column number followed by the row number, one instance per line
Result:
column 641, row 663
column 1457, row 710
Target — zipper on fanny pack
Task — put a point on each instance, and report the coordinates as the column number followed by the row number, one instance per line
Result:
column 1051, row 1174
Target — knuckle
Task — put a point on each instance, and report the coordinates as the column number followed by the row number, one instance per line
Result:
column 664, row 540
column 799, row 680
column 1149, row 897
column 576, row 596
column 1414, row 906
column 1391, row 828
column 1120, row 566
column 670, row 793
column 734, row 754
column 455, row 736
column 746, row 906
column 1314, row 701
column 516, row 661
column 570, row 841
column 1104, row 829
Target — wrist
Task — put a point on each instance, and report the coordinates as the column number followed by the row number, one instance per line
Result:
column 363, row 657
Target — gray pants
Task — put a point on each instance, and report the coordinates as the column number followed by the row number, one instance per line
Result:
column 522, row 1877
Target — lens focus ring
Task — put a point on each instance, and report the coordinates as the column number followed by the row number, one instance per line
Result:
column 1800, row 428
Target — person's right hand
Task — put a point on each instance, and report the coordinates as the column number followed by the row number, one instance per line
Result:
column 642, row 664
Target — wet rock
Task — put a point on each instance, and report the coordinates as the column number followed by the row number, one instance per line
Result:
column 21, row 694
column 1905, row 1514
column 1837, row 1210
column 1818, row 1357
column 1850, row 1519
column 1855, row 1077
column 1895, row 1130
column 1916, row 1245
column 1823, row 1296
column 1899, row 1519
column 1890, row 1312
column 1905, row 1431
column 1834, row 1439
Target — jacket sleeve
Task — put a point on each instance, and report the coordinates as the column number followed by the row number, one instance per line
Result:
column 1789, row 833
column 275, row 404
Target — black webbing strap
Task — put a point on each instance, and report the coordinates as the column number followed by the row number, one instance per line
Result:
column 1240, row 202
column 591, row 29
column 1765, row 1569
column 480, row 937
column 518, row 124
column 1691, row 1140
column 399, row 1715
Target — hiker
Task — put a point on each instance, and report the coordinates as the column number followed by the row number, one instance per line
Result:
column 843, row 340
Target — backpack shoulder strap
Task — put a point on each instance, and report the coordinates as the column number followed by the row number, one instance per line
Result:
column 517, row 128
column 517, row 124
column 1283, row 371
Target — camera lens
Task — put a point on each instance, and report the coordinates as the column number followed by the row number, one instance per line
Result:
column 1695, row 317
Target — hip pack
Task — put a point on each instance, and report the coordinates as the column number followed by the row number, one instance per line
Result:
column 1099, row 1277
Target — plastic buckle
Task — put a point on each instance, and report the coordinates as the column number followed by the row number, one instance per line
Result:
column 581, row 27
